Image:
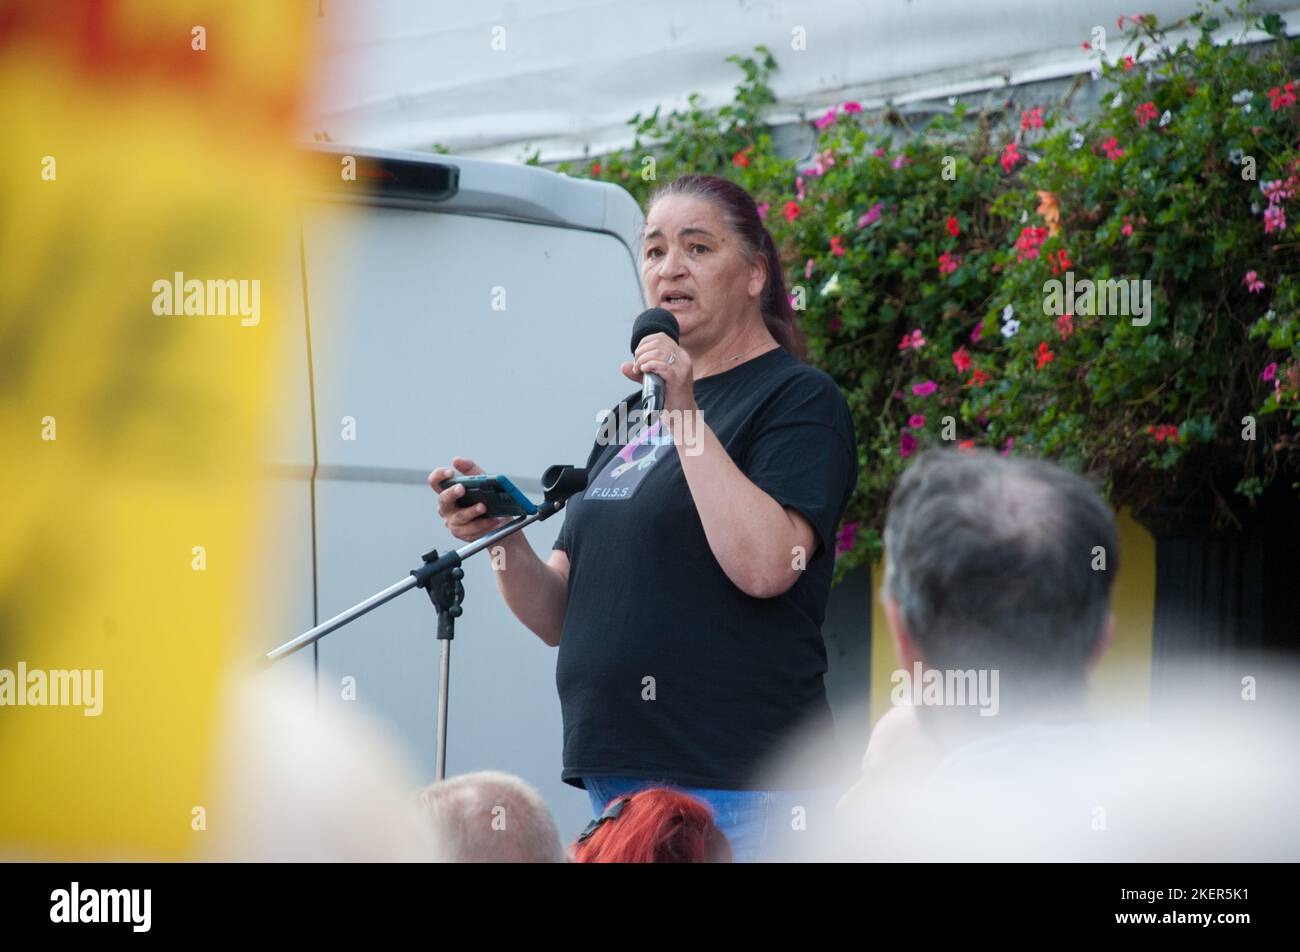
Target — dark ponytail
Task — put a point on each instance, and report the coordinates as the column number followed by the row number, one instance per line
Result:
column 741, row 215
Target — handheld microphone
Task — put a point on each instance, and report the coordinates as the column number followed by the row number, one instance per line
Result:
column 657, row 320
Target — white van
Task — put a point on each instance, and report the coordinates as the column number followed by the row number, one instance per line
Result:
column 457, row 307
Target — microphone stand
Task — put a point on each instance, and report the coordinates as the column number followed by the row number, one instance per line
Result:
column 440, row 576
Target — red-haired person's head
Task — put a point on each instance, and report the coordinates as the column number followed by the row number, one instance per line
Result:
column 659, row 825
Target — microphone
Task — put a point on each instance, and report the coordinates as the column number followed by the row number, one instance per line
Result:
column 657, row 320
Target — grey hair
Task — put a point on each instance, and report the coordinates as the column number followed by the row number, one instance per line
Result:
column 490, row 817
column 991, row 562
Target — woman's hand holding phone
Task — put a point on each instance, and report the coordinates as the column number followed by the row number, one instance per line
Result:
column 469, row 523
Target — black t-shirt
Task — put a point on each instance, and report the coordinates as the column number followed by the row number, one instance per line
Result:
column 666, row 669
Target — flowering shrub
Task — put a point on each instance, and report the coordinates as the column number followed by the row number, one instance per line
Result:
column 962, row 281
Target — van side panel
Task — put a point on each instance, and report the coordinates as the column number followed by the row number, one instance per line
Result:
column 436, row 335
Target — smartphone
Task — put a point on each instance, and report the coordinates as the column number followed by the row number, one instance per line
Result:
column 498, row 493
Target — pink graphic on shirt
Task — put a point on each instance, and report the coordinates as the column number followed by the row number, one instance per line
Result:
column 646, row 461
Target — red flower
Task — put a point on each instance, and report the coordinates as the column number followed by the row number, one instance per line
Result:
column 948, row 263
column 978, row 379
column 1145, row 113
column 836, row 248
column 961, row 357
column 1060, row 261
column 1010, row 156
column 1065, row 324
column 1281, row 98
column 1112, row 149
column 740, row 159
column 1164, row 431
column 1027, row 245
column 966, row 446
column 1033, row 119
column 1045, row 356
column 1128, row 62
column 953, row 228
column 791, row 211
column 595, row 169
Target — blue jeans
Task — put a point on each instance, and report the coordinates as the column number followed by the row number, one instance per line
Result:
column 755, row 821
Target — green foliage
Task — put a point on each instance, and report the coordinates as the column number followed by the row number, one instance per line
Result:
column 949, row 235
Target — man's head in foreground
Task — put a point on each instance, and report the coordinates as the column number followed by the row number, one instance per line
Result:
column 1000, row 565
column 490, row 817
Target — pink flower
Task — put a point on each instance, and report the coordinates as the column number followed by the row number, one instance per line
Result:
column 808, row 268
column 961, row 358
column 762, row 210
column 1112, row 149
column 916, row 420
column 879, row 153
column 975, row 334
column 1274, row 219
column 924, row 389
column 1010, row 156
column 835, row 323
column 1033, row 119
column 1006, row 447
column 798, row 187
column 1065, row 324
column 1128, row 227
column 906, row 444
column 899, row 161
column 872, row 214
column 948, row 263
column 1269, row 372
column 915, row 341
column 827, row 119
column 1252, row 282
column 791, row 211
column 1145, row 113
column 837, row 248
column 847, row 536
column 852, row 107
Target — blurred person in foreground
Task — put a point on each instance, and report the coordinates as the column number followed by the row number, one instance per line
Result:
column 997, row 591
column 655, row 825
column 490, row 817
column 293, row 784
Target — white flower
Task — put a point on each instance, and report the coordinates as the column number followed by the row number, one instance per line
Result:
column 1165, row 117
column 1254, row 208
column 832, row 286
column 1117, row 101
column 1269, row 315
column 1009, row 329
column 1236, row 155
column 1076, row 140
column 1095, row 74
column 1246, row 108
column 1243, row 96
column 1008, row 312
column 1024, row 217
column 952, row 100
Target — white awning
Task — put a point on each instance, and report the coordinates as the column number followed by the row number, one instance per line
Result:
column 500, row 80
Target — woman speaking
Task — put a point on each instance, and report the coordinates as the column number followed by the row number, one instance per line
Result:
column 687, row 588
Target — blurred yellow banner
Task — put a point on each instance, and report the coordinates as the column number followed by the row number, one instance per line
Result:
column 146, row 146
